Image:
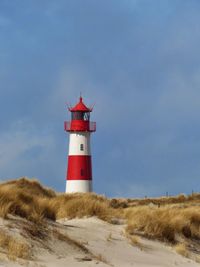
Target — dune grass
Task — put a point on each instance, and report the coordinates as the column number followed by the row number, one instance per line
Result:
column 14, row 248
column 28, row 199
column 81, row 205
column 164, row 223
column 164, row 200
column 166, row 218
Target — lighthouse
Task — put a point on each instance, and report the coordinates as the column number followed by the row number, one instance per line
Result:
column 79, row 169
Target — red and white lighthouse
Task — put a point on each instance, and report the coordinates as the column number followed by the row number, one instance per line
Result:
column 79, row 171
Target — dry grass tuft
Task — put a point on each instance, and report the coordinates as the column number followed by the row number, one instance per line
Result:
column 30, row 186
column 197, row 259
column 135, row 240
column 18, row 249
column 13, row 247
column 164, row 223
column 28, row 199
column 81, row 205
column 35, row 231
column 4, row 239
column 181, row 249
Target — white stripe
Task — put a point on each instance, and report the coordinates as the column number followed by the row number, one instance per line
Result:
column 79, row 143
column 82, row 186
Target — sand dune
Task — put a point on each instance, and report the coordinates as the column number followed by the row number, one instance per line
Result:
column 110, row 242
column 36, row 230
column 91, row 242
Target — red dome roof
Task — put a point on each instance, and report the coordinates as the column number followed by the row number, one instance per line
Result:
column 80, row 107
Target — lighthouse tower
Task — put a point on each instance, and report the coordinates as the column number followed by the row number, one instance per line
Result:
column 79, row 171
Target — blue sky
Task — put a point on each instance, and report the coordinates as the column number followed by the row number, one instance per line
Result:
column 137, row 60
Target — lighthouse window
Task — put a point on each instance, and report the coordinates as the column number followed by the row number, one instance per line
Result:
column 77, row 115
column 82, row 172
column 87, row 116
column 81, row 147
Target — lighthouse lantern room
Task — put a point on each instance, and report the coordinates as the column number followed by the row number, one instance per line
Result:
column 79, row 170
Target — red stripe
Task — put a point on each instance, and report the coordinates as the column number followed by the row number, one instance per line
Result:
column 79, row 168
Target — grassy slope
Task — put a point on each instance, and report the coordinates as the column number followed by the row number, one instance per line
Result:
column 173, row 219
